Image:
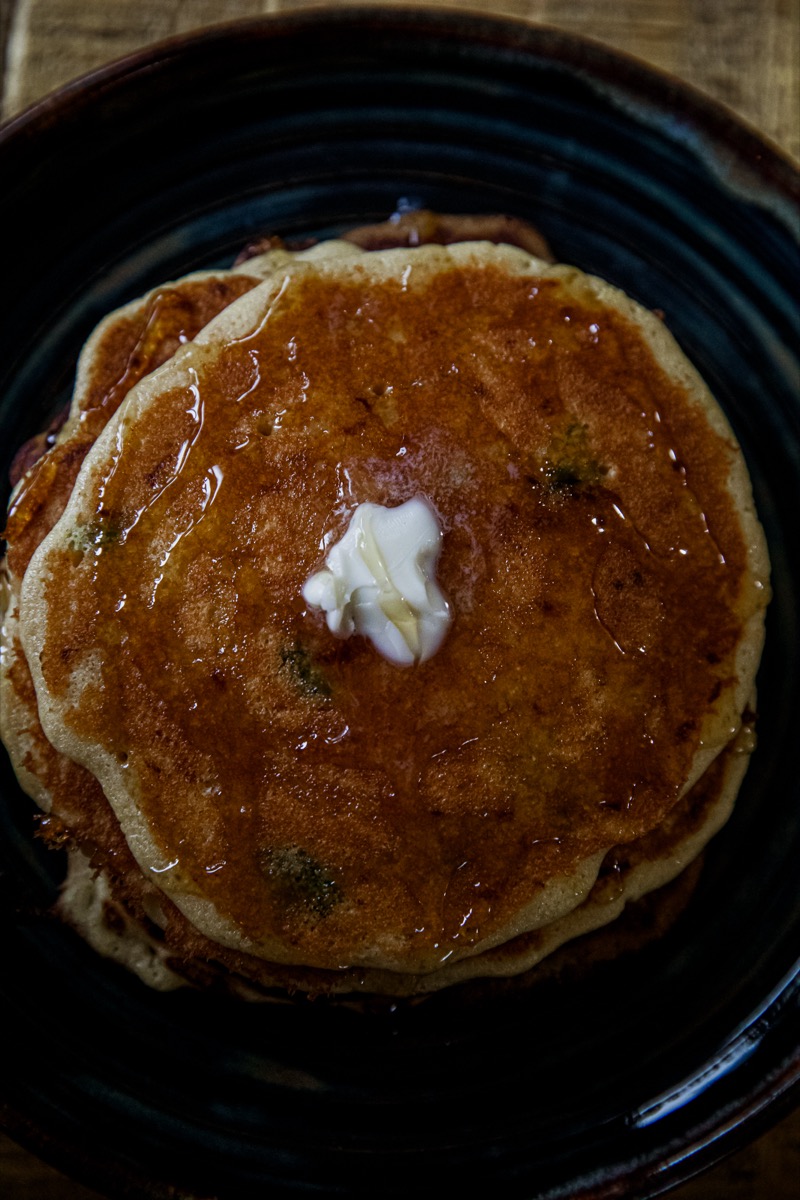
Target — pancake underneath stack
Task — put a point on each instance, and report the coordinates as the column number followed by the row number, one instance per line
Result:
column 265, row 801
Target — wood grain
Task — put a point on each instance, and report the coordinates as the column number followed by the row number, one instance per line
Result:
column 745, row 53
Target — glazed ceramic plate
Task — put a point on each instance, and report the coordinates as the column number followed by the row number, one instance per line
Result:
column 646, row 1069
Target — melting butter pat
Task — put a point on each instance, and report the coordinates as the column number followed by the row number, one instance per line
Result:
column 379, row 580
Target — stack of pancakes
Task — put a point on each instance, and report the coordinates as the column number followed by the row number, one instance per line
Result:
column 248, row 797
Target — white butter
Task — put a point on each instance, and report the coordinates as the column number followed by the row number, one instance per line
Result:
column 379, row 580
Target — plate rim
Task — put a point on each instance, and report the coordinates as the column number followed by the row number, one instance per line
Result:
column 577, row 50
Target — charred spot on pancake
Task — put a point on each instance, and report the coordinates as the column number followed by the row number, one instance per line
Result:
column 570, row 463
column 304, row 672
column 299, row 880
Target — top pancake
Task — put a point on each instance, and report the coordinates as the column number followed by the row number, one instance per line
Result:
column 299, row 797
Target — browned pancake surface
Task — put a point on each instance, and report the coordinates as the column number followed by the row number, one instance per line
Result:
column 592, row 555
column 202, row 962
column 131, row 347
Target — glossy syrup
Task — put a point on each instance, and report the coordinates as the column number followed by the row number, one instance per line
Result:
column 129, row 346
column 315, row 792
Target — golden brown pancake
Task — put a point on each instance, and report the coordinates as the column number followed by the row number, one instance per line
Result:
column 299, row 798
column 126, row 346
column 148, row 934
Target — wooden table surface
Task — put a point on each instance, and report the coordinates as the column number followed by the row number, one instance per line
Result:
column 745, row 53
